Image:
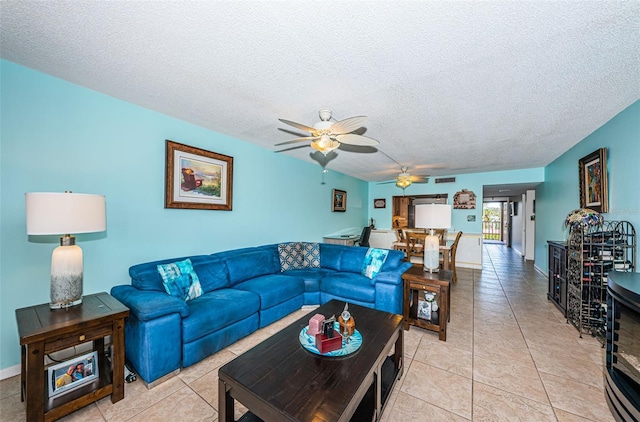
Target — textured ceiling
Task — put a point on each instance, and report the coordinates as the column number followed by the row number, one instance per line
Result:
column 448, row 87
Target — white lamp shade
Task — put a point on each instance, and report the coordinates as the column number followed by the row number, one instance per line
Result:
column 65, row 213
column 433, row 216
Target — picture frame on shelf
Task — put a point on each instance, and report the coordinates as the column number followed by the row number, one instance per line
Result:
column 338, row 200
column 67, row 376
column 594, row 192
column 197, row 179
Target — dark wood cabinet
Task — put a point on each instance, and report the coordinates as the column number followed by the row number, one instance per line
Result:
column 558, row 275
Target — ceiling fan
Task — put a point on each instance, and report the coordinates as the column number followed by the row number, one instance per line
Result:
column 327, row 136
column 405, row 179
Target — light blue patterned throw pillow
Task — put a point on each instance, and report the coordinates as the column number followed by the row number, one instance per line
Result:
column 180, row 280
column 373, row 261
column 298, row 255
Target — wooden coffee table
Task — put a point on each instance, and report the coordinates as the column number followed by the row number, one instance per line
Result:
column 279, row 380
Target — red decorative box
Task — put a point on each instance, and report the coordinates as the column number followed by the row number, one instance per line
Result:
column 326, row 345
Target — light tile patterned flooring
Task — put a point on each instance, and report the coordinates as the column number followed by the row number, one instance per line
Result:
column 509, row 355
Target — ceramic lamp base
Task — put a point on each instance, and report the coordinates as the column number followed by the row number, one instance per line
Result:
column 66, row 277
column 431, row 253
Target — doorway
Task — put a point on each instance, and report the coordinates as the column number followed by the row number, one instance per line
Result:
column 495, row 221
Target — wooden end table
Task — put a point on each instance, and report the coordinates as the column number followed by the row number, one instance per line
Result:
column 43, row 330
column 417, row 280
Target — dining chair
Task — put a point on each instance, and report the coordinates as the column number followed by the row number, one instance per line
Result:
column 415, row 248
column 401, row 243
column 452, row 257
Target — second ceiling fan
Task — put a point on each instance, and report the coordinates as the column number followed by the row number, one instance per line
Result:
column 405, row 179
column 327, row 136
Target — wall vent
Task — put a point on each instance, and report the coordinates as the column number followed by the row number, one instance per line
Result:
column 446, row 180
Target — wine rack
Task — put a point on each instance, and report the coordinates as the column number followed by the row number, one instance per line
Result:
column 592, row 253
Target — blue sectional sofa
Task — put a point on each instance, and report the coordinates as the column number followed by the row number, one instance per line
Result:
column 243, row 290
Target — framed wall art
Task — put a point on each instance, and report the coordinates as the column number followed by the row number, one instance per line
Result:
column 464, row 200
column 594, row 192
column 338, row 200
column 380, row 203
column 197, row 179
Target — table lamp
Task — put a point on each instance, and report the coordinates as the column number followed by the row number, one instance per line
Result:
column 432, row 216
column 51, row 213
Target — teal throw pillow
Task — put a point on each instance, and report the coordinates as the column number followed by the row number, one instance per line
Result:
column 180, row 280
column 373, row 261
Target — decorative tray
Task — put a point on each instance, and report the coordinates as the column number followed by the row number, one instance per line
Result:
column 309, row 342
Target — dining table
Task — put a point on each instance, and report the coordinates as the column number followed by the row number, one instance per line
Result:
column 445, row 248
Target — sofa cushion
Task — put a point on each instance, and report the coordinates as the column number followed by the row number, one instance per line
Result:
column 311, row 277
column 330, row 256
column 373, row 261
column 349, row 285
column 252, row 264
column 180, row 280
column 393, row 261
column 352, row 258
column 273, row 289
column 298, row 255
column 211, row 271
column 215, row 310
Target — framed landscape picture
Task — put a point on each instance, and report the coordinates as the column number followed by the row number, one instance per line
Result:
column 197, row 179
column 339, row 200
column 594, row 192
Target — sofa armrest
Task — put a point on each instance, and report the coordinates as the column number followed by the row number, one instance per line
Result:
column 147, row 305
column 393, row 276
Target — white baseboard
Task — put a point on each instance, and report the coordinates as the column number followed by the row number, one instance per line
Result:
column 9, row 372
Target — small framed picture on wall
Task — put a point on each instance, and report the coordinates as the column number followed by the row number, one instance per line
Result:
column 339, row 200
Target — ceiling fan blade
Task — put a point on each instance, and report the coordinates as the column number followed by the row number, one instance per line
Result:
column 293, row 141
column 352, row 139
column 347, row 125
column 299, row 126
column 292, row 132
column 420, row 179
column 385, row 183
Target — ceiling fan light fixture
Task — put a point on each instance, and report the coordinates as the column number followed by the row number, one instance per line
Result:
column 325, row 144
column 403, row 183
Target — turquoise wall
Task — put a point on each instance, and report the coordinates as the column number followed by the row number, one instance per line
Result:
column 472, row 182
column 559, row 194
column 56, row 136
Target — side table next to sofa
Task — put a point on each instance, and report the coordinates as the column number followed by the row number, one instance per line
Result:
column 43, row 331
column 416, row 280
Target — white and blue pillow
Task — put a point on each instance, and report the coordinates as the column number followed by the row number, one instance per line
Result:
column 180, row 280
column 298, row 255
column 373, row 262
